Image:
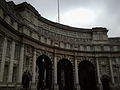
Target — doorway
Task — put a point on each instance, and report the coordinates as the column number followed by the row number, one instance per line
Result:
column 65, row 75
column 105, row 83
column 87, row 78
column 44, row 72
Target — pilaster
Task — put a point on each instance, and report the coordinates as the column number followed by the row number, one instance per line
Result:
column 55, row 74
column 77, row 86
column 10, row 72
column 20, row 71
column 111, row 72
column 3, row 59
column 34, row 67
column 99, row 84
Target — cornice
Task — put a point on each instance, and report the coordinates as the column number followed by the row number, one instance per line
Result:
column 25, row 5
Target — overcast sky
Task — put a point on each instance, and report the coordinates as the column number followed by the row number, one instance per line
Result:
column 81, row 13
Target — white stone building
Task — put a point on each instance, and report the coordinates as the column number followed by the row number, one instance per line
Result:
column 58, row 57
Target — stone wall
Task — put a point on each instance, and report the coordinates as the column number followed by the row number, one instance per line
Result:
column 25, row 36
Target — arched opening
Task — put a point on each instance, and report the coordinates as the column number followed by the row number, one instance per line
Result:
column 65, row 75
column 87, row 78
column 105, row 82
column 45, row 72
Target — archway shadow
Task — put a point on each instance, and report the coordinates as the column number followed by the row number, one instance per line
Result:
column 105, row 82
column 45, row 72
column 65, row 75
column 87, row 77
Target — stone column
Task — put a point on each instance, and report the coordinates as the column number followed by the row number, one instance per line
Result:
column 34, row 67
column 77, row 86
column 10, row 72
column 20, row 69
column 3, row 59
column 111, row 72
column 98, row 74
column 55, row 74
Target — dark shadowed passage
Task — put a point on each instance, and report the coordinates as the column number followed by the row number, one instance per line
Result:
column 87, row 78
column 65, row 75
column 45, row 72
column 105, row 82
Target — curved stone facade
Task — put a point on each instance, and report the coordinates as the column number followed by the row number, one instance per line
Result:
column 73, row 58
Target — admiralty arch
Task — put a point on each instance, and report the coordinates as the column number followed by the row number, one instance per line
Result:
column 64, row 57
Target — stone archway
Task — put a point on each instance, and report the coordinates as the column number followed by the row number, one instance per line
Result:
column 45, row 72
column 87, row 79
column 105, row 82
column 65, row 75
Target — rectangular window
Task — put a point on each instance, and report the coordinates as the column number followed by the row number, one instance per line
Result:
column 1, row 45
column 8, row 48
column 5, row 75
column 17, row 51
column 14, row 76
